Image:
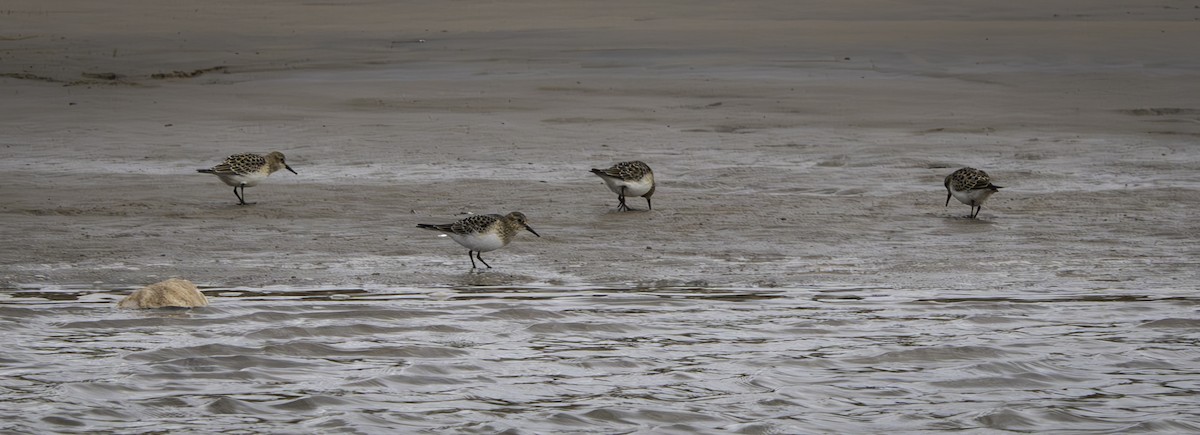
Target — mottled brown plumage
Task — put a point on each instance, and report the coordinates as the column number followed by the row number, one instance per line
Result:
column 633, row 178
column 246, row 170
column 483, row 233
column 970, row 186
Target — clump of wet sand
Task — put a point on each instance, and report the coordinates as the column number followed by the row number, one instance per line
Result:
column 172, row 293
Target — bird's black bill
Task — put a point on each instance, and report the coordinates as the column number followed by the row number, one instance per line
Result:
column 289, row 168
column 532, row 231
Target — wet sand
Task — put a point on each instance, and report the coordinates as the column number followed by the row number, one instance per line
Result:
column 793, row 146
column 799, row 272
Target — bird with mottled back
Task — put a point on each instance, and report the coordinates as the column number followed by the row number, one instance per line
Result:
column 970, row 186
column 247, row 170
column 633, row 178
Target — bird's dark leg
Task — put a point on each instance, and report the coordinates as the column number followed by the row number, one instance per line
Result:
column 975, row 211
column 621, row 198
column 648, row 207
column 469, row 257
column 477, row 253
column 242, row 197
column 241, row 200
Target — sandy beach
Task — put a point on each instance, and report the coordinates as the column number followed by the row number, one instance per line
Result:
column 793, row 144
column 799, row 273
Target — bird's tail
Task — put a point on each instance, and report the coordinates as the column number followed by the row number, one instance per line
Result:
column 598, row 171
column 430, row 227
column 204, row 171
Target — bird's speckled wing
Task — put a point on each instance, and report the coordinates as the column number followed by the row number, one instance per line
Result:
column 970, row 179
column 474, row 224
column 240, row 164
column 625, row 170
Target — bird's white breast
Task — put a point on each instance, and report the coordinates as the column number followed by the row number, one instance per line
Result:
column 248, row 180
column 971, row 197
column 481, row 242
column 633, row 188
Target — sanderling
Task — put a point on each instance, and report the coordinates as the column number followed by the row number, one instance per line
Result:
column 483, row 233
column 247, row 169
column 628, row 179
column 970, row 186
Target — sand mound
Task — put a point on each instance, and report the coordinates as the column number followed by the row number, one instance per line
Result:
column 170, row 293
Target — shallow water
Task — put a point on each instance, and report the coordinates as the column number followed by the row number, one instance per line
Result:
column 601, row 360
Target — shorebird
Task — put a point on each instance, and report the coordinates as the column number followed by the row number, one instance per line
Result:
column 247, row 170
column 483, row 233
column 628, row 179
column 970, row 186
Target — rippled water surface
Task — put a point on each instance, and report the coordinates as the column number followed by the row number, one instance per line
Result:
column 600, row 360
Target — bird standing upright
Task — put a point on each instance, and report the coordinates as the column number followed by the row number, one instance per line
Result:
column 483, row 233
column 247, row 170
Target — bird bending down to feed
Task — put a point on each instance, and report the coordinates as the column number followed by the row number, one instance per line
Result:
column 970, row 186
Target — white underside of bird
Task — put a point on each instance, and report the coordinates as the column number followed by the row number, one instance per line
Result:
column 972, row 197
column 633, row 188
column 479, row 242
column 248, row 180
